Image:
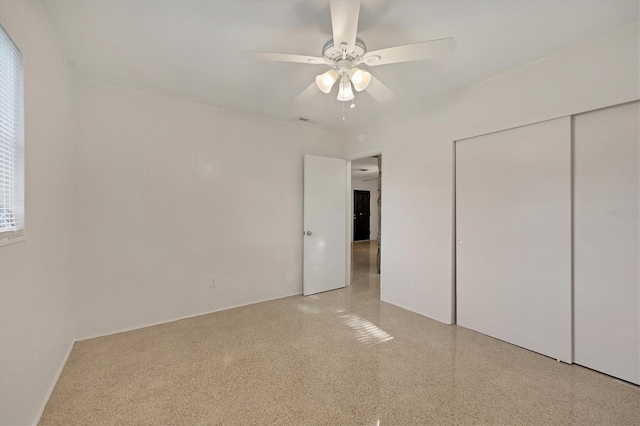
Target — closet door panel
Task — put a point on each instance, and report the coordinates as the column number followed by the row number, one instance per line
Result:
column 513, row 226
column 607, row 240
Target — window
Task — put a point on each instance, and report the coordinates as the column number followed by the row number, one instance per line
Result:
column 11, row 140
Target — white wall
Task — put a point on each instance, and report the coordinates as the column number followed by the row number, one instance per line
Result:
column 372, row 187
column 37, row 275
column 173, row 192
column 417, row 148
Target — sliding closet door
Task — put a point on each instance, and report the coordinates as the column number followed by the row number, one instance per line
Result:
column 607, row 234
column 513, row 226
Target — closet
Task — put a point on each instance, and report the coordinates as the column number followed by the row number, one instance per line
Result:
column 547, row 238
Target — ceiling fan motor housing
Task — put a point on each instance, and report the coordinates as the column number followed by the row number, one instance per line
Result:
column 343, row 66
column 335, row 54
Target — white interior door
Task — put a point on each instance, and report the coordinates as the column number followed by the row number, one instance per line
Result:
column 513, row 226
column 325, row 224
column 607, row 247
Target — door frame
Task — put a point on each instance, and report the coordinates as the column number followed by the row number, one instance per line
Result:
column 349, row 214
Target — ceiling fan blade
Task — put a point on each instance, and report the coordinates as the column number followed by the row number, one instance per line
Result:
column 283, row 57
column 411, row 52
column 344, row 22
column 308, row 93
column 379, row 91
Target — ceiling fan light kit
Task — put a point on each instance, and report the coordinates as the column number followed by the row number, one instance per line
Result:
column 344, row 52
column 356, row 75
column 345, row 93
column 359, row 78
column 326, row 81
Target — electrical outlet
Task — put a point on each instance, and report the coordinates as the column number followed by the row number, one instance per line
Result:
column 212, row 283
column 414, row 283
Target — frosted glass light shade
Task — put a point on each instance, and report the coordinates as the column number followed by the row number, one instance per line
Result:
column 326, row 81
column 356, row 76
column 359, row 78
column 345, row 93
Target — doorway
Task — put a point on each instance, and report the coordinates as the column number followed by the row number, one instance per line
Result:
column 364, row 219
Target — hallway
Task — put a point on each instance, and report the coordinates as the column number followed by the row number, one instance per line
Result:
column 364, row 276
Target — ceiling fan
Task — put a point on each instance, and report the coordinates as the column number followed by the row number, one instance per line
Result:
column 346, row 51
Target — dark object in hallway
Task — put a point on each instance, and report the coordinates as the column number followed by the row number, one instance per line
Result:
column 379, row 239
column 361, row 215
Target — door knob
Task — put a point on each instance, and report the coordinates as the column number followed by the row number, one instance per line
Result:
column 309, row 232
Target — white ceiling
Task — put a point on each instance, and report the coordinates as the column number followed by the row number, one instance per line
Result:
column 190, row 49
column 364, row 168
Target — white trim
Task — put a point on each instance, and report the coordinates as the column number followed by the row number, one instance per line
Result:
column 45, row 401
column 11, row 240
column 369, row 152
column 575, row 108
column 167, row 318
column 412, row 310
column 347, row 277
column 454, row 244
column 105, row 332
column 373, row 152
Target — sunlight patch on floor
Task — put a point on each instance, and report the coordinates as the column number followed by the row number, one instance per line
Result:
column 366, row 331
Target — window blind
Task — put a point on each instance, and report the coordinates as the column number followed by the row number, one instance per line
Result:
column 11, row 139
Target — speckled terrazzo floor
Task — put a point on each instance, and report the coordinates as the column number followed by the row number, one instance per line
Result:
column 338, row 358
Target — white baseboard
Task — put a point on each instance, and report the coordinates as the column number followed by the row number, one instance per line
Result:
column 162, row 319
column 174, row 316
column 448, row 321
column 53, row 385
